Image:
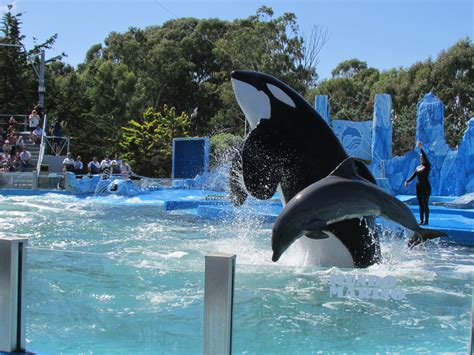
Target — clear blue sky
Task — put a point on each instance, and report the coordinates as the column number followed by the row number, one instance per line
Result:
column 384, row 33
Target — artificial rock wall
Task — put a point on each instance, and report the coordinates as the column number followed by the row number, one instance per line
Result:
column 452, row 171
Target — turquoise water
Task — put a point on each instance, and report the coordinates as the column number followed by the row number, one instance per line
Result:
column 118, row 275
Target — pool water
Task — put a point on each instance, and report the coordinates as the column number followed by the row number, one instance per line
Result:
column 121, row 275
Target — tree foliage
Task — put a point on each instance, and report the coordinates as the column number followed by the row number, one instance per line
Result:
column 18, row 81
column 147, row 143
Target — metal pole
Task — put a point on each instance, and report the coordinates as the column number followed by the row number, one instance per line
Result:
column 41, row 88
column 472, row 326
column 12, row 294
column 218, row 303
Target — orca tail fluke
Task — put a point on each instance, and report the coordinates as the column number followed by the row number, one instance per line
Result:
column 423, row 234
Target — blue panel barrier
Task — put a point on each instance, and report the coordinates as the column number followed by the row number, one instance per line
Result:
column 190, row 157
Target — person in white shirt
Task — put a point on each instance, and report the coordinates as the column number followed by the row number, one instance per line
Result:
column 33, row 120
column 105, row 164
column 68, row 163
column 5, row 160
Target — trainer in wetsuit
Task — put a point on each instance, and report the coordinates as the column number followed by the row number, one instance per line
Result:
column 423, row 186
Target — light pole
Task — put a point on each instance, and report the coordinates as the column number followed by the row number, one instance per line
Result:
column 41, row 88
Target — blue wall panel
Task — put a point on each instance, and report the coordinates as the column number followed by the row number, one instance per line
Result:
column 190, row 157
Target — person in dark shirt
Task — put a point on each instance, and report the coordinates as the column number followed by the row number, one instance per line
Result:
column 423, row 186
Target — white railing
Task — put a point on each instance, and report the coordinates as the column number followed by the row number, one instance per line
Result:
column 42, row 146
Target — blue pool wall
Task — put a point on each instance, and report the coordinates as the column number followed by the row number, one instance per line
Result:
column 452, row 172
column 190, row 157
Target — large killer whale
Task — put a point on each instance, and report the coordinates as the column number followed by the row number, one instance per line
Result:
column 289, row 148
column 341, row 195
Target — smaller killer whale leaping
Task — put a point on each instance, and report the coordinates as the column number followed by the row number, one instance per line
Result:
column 289, row 148
column 340, row 196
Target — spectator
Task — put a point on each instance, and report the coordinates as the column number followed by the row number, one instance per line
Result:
column 14, row 144
column 36, row 135
column 94, row 166
column 20, row 142
column 78, row 166
column 15, row 163
column 34, row 120
column 25, row 157
column 125, row 169
column 105, row 164
column 115, row 167
column 6, row 146
column 12, row 122
column 3, row 135
column 5, row 160
column 68, row 163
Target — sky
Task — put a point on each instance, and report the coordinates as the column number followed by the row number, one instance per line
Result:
column 384, row 33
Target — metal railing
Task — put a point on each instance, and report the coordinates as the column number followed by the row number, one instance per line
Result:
column 42, row 146
column 52, row 145
column 22, row 123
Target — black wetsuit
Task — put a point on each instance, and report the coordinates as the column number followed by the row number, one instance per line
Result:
column 423, row 187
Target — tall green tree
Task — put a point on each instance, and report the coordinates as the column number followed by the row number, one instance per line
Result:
column 349, row 90
column 18, row 82
column 453, row 78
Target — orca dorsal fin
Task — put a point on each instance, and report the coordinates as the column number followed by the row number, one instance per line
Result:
column 346, row 169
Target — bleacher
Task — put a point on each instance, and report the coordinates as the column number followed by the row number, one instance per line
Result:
column 34, row 175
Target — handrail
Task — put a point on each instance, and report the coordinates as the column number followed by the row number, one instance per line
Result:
column 4, row 119
column 42, row 147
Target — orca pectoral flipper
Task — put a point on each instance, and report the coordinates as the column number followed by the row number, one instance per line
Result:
column 237, row 195
column 260, row 161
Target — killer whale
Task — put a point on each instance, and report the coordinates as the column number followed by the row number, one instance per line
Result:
column 289, row 148
column 341, row 195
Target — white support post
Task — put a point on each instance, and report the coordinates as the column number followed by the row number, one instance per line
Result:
column 12, row 294
column 218, row 303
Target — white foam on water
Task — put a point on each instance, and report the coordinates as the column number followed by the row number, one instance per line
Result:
column 179, row 298
column 464, row 269
column 244, row 239
column 103, row 297
column 167, row 256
